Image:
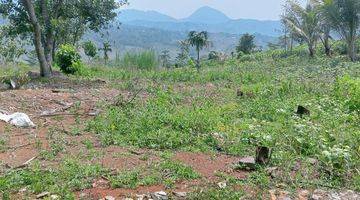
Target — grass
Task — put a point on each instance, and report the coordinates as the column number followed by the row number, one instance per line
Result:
column 182, row 110
column 70, row 176
column 143, row 60
column 166, row 172
column 186, row 110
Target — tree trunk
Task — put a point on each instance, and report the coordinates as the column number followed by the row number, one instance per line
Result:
column 49, row 36
column 327, row 44
column 352, row 49
column 198, row 60
column 45, row 69
column 311, row 51
column 327, row 47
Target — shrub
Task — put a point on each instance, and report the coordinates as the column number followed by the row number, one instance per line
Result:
column 90, row 49
column 349, row 90
column 68, row 59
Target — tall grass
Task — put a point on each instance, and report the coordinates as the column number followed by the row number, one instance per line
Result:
column 142, row 60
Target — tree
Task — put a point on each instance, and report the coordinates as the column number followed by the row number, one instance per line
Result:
column 11, row 49
column 165, row 58
column 184, row 55
column 44, row 21
column 199, row 40
column 304, row 23
column 246, row 44
column 90, row 49
column 106, row 49
column 344, row 17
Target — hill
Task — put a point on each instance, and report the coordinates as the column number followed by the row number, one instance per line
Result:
column 205, row 18
column 207, row 15
column 136, row 38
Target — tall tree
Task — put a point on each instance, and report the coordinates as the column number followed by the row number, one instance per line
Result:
column 344, row 17
column 199, row 40
column 246, row 44
column 304, row 23
column 44, row 21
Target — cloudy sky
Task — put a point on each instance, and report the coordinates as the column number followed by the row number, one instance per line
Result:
column 252, row 9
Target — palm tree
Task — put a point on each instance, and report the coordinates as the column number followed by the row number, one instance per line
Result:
column 304, row 23
column 199, row 40
column 344, row 17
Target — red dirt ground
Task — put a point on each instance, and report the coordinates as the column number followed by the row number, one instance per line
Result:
column 24, row 144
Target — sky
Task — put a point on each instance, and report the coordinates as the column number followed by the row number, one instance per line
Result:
column 236, row 9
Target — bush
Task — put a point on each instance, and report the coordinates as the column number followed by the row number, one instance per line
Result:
column 68, row 59
column 349, row 90
column 90, row 49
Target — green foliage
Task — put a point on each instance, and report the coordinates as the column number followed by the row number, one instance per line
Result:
column 144, row 60
column 192, row 111
column 246, row 44
column 343, row 16
column 348, row 90
column 90, row 49
column 199, row 40
column 11, row 49
column 70, row 176
column 213, row 55
column 184, row 56
column 106, row 49
column 166, row 172
column 68, row 59
column 304, row 23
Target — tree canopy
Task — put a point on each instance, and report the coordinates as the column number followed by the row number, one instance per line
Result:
column 50, row 23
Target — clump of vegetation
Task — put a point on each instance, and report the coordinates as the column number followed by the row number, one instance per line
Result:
column 106, row 49
column 69, row 59
column 90, row 49
column 70, row 176
column 143, row 60
column 348, row 89
column 166, row 172
column 246, row 44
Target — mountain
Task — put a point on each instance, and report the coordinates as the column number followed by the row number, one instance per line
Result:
column 204, row 19
column 153, row 30
column 135, row 15
column 207, row 15
column 138, row 38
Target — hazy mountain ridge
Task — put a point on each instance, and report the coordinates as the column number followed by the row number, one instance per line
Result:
column 207, row 15
column 205, row 18
column 137, row 38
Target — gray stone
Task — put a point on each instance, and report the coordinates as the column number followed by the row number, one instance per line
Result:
column 161, row 195
column 180, row 194
column 109, row 198
column 4, row 86
column 247, row 163
column 42, row 195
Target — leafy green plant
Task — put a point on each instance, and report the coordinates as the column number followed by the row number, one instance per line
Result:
column 348, row 89
column 90, row 49
column 68, row 59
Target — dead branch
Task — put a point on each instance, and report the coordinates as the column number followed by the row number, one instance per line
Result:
column 25, row 164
